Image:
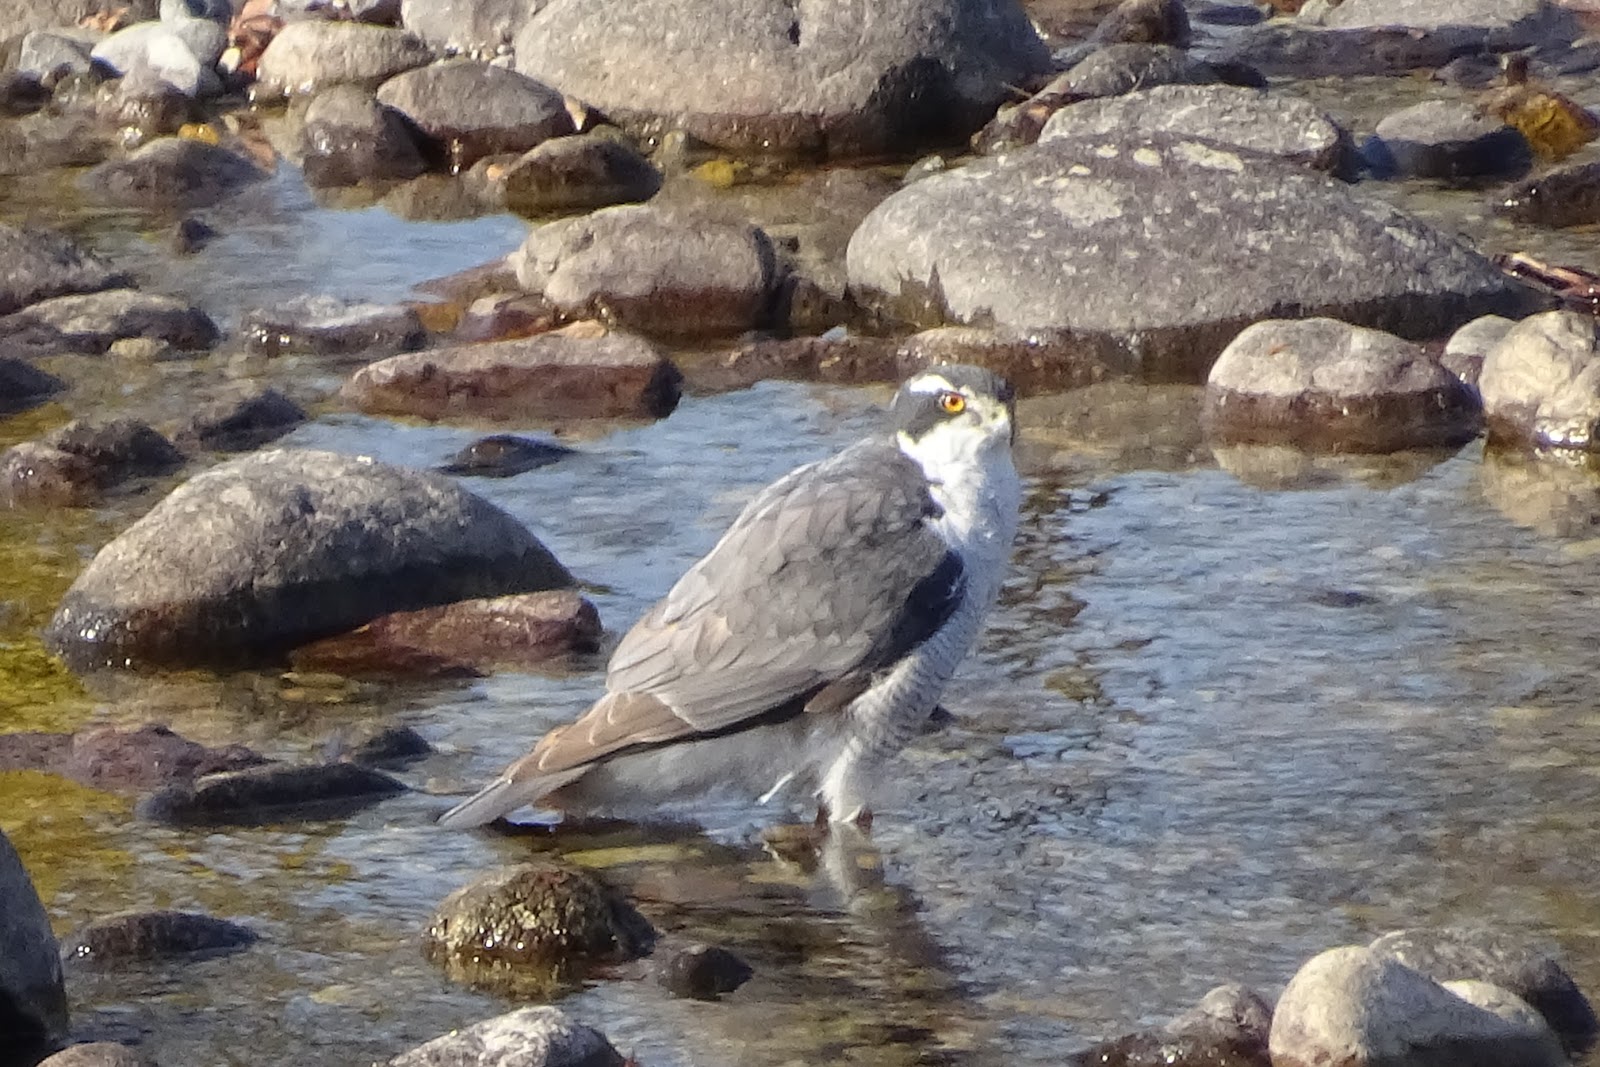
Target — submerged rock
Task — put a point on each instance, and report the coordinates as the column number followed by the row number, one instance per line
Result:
column 1541, row 383
column 1228, row 1028
column 1323, row 383
column 658, row 270
column 703, row 972
column 503, row 455
column 384, row 747
column 23, row 386
column 1209, row 239
column 39, row 264
column 1531, row 971
column 467, row 637
column 534, row 927
column 1351, row 1005
column 270, row 794
column 281, row 547
column 241, row 422
column 1567, row 196
column 527, row 1037
column 117, row 450
column 767, row 77
column 33, row 1001
column 579, row 371
column 468, row 110
column 115, row 758
column 322, row 325
column 171, row 172
column 131, row 936
column 92, row 322
column 35, row 474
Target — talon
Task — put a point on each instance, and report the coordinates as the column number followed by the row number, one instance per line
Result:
column 863, row 820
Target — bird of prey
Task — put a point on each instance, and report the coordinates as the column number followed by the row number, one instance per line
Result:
column 814, row 640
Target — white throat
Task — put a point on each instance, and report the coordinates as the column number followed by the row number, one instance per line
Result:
column 974, row 480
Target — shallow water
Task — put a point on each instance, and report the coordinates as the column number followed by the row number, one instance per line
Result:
column 1220, row 721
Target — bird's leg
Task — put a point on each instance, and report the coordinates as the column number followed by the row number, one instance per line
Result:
column 823, row 819
column 863, row 820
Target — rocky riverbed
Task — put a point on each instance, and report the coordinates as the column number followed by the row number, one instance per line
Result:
column 366, row 367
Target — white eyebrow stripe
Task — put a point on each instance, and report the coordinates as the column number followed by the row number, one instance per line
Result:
column 931, row 383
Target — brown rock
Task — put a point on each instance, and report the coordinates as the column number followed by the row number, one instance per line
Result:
column 580, row 371
column 468, row 637
column 34, row 473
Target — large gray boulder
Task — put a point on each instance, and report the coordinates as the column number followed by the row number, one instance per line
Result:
column 468, row 110
column 309, row 56
column 1353, row 1006
column 1541, row 383
column 282, row 547
column 1147, row 253
column 33, row 1002
column 829, row 78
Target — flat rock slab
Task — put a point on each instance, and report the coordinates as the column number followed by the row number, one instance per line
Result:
column 1325, row 384
column 660, row 270
column 1148, row 254
column 464, row 638
column 38, row 264
column 273, row 793
column 579, row 371
column 1274, row 124
column 830, row 78
column 282, row 547
column 468, row 110
column 1447, row 140
column 131, row 936
column 322, row 325
column 92, row 322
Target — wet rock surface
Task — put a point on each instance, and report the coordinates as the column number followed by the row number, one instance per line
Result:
column 349, row 137
column 504, row 456
column 92, row 322
column 39, row 264
column 1353, row 1005
column 1541, row 383
column 527, row 1037
column 580, row 371
column 1228, row 1028
column 171, row 173
column 1448, row 141
column 252, row 417
column 1319, row 382
column 703, row 972
column 132, row 936
column 24, row 386
column 281, row 547
column 273, row 793
column 1211, row 238
column 322, row 325
column 814, row 82
column 467, row 110
column 532, row 927
column 661, row 271
column 578, row 173
column 467, row 637
column 33, row 1001
column 1568, row 196
column 117, row 758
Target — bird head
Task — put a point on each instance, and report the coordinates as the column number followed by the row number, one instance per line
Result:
column 954, row 411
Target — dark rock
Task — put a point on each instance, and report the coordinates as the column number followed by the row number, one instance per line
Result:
column 98, row 1054
column 1210, row 239
column 1531, row 971
column 131, row 936
column 46, row 140
column 278, row 548
column 464, row 638
column 579, row 371
column 91, row 322
column 578, row 173
column 1541, row 384
column 703, row 972
column 327, row 326
column 1394, row 36
column 1273, row 124
column 242, row 422
column 270, row 794
column 534, row 927
column 349, row 138
column 1122, row 68
column 503, row 455
column 527, row 1037
column 386, row 748
column 38, row 264
column 1144, row 22
column 171, row 172
column 309, row 56
column 147, row 757
column 662, row 271
column 1446, row 140
column 1351, row 1005
column 1465, row 351
column 191, row 235
column 505, row 316
column 50, row 53
column 117, row 450
column 33, row 1001
column 1226, row 14
column 819, row 82
column 33, row 751
column 144, row 105
column 33, row 474
column 21, row 94
column 1228, row 1028
column 469, row 110
column 849, row 360
column 1567, row 196
column 1324, row 384
column 23, row 386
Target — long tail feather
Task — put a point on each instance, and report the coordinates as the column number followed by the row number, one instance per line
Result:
column 503, row 796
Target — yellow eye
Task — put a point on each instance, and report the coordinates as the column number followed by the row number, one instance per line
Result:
column 952, row 403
